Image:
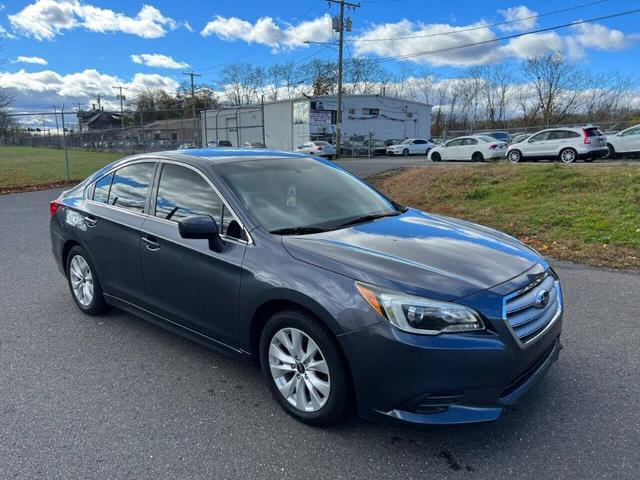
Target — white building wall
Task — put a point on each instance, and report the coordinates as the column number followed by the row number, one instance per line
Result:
column 286, row 125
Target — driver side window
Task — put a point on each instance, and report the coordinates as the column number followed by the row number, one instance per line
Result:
column 183, row 192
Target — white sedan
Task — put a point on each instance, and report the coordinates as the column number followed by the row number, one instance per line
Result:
column 411, row 146
column 476, row 148
column 624, row 143
column 319, row 148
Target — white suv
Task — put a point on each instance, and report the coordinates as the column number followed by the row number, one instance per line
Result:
column 567, row 144
column 625, row 143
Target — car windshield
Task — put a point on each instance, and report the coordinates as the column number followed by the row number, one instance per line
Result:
column 293, row 194
column 407, row 141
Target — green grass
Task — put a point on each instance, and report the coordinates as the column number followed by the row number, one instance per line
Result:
column 26, row 166
column 585, row 213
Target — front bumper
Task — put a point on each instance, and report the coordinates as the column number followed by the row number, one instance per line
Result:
column 444, row 379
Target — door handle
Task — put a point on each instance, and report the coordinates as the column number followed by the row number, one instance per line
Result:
column 151, row 242
column 90, row 221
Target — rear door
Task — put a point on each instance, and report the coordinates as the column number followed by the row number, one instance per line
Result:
column 468, row 147
column 628, row 141
column 185, row 281
column 113, row 215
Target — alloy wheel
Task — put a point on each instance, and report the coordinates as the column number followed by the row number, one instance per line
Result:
column 567, row 155
column 299, row 369
column 514, row 156
column 81, row 280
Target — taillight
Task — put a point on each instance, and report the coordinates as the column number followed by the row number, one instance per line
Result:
column 318, row 148
column 586, row 137
column 53, row 207
column 494, row 146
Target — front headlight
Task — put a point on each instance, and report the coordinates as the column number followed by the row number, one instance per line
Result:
column 420, row 315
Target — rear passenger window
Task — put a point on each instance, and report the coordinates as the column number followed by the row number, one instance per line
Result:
column 570, row 134
column 183, row 192
column 101, row 189
column 130, row 186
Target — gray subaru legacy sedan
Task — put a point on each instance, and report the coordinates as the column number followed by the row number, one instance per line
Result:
column 347, row 300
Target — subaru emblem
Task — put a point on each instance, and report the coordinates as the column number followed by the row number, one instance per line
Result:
column 542, row 299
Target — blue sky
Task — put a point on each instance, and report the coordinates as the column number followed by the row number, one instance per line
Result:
column 68, row 50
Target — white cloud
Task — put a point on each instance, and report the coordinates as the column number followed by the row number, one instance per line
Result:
column 266, row 32
column 157, row 60
column 34, row 60
column 599, row 37
column 45, row 19
column 429, row 37
column 45, row 88
column 517, row 16
column 4, row 33
column 534, row 45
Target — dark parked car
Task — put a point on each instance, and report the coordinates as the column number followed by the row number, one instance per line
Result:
column 502, row 136
column 342, row 296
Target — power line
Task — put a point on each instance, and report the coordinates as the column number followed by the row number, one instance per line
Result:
column 507, row 37
column 480, row 27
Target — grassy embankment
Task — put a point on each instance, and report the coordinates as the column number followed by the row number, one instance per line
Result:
column 583, row 213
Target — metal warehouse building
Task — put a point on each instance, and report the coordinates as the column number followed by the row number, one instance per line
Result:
column 285, row 124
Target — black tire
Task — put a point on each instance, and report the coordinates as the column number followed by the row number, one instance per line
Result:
column 612, row 152
column 427, row 152
column 588, row 160
column 477, row 157
column 97, row 304
column 339, row 399
column 435, row 157
column 405, row 152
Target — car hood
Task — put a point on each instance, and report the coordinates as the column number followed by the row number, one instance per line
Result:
column 419, row 253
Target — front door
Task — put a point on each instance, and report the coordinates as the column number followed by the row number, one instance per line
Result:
column 185, row 281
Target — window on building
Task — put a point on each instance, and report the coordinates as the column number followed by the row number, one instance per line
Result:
column 371, row 111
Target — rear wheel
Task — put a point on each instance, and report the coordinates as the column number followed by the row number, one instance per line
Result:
column 568, row 155
column 83, row 282
column 477, row 157
column 514, row 156
column 435, row 157
column 304, row 369
column 612, row 152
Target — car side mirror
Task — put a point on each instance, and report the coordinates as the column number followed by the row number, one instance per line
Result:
column 201, row 227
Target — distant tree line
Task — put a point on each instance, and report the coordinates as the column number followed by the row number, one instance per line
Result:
column 538, row 91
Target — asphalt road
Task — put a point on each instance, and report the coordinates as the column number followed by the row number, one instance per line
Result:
column 116, row 397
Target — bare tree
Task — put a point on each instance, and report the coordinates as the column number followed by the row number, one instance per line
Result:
column 363, row 75
column 556, row 84
column 6, row 95
column 240, row 83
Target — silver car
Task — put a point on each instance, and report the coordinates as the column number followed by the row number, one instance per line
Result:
column 318, row 148
column 625, row 143
column 567, row 144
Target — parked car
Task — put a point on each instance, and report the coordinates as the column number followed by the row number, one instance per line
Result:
column 476, row 148
column 411, row 146
column 378, row 147
column 352, row 148
column 498, row 135
column 319, row 148
column 342, row 296
column 626, row 143
column 567, row 144
column 185, row 146
column 219, row 143
column 520, row 137
column 253, row 145
column 394, row 141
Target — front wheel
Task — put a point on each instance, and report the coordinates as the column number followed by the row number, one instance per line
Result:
column 435, row 157
column 514, row 156
column 612, row 152
column 568, row 155
column 405, row 152
column 83, row 282
column 304, row 369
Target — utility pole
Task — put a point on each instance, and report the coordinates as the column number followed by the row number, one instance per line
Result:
column 193, row 107
column 121, row 97
column 338, row 25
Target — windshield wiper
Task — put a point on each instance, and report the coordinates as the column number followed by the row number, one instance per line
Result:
column 368, row 218
column 298, row 230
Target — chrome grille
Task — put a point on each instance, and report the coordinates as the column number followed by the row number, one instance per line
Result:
column 526, row 316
